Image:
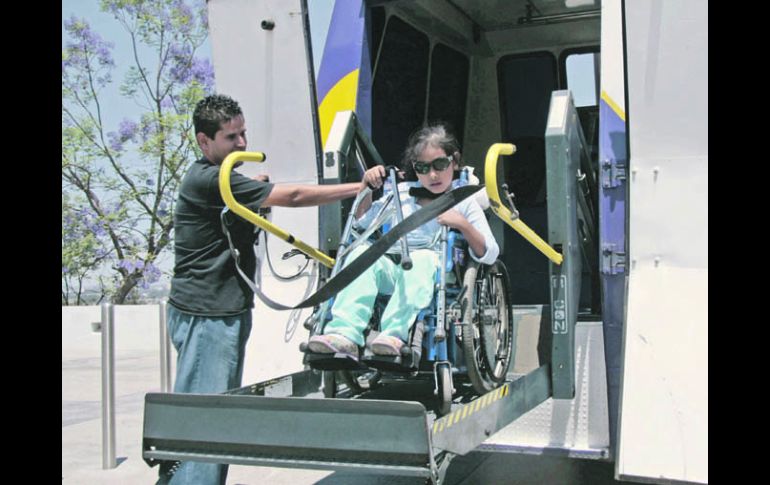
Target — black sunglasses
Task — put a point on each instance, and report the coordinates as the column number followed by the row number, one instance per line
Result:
column 439, row 165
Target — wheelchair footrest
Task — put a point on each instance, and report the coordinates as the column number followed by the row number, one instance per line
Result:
column 406, row 362
column 336, row 361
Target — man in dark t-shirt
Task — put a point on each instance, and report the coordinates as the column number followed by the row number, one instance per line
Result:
column 209, row 311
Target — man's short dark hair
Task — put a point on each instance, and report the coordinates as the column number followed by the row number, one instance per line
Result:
column 211, row 112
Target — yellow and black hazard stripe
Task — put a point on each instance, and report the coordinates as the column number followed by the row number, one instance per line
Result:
column 469, row 409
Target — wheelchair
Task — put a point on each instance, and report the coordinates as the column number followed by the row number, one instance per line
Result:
column 466, row 332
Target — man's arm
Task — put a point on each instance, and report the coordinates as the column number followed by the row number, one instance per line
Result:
column 295, row 195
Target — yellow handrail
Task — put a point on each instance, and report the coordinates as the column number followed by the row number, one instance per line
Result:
column 227, row 196
column 490, row 180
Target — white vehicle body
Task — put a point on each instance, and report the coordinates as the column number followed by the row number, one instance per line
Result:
column 641, row 352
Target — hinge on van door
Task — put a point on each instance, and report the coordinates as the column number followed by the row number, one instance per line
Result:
column 612, row 173
column 613, row 262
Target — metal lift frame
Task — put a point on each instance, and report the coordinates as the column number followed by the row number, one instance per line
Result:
column 571, row 229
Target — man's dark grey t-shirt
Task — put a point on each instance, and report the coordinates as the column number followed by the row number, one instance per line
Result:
column 205, row 280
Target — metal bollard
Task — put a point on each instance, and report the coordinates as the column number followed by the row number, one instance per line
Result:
column 165, row 351
column 108, row 387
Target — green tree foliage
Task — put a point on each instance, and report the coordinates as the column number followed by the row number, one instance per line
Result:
column 119, row 185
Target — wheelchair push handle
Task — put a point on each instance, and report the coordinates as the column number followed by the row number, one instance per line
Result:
column 406, row 261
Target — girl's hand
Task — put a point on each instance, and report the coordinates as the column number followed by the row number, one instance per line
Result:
column 453, row 219
column 373, row 177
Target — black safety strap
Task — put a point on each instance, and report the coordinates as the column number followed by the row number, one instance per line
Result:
column 374, row 252
column 422, row 193
column 237, row 257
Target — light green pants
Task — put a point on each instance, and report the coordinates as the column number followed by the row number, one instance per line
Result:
column 411, row 292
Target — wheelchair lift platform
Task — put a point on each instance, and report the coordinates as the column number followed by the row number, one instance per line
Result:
column 287, row 422
column 395, row 429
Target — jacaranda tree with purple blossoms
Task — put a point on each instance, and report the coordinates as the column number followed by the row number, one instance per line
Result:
column 82, row 252
column 119, row 183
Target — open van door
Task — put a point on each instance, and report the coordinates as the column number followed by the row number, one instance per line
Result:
column 261, row 60
column 663, row 423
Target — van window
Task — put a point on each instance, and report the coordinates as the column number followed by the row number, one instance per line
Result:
column 582, row 76
column 398, row 88
column 448, row 88
column 525, row 83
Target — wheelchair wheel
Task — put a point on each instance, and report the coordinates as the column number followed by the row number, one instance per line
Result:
column 487, row 330
column 444, row 385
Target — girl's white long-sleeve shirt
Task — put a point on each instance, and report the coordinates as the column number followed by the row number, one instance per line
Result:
column 427, row 235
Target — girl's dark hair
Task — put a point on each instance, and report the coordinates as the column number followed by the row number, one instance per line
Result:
column 437, row 136
column 211, row 112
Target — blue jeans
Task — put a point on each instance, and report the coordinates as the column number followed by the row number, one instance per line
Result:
column 209, row 361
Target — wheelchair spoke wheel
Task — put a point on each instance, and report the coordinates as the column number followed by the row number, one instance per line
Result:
column 487, row 330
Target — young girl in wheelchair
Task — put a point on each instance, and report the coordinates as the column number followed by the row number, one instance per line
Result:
column 433, row 156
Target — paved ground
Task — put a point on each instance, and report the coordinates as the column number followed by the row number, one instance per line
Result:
column 137, row 372
column 82, row 459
